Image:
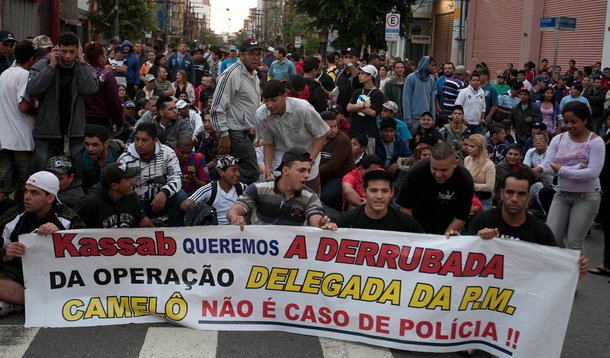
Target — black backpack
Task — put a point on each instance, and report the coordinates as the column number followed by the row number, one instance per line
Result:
column 238, row 190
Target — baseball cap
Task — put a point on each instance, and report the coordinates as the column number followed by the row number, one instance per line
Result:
column 294, row 154
column 524, row 89
column 46, row 181
column 149, row 77
column 392, row 106
column 249, row 45
column 60, row 165
column 539, row 79
column 225, row 161
column 129, row 104
column 370, row 69
column 350, row 51
column 181, row 104
column 272, row 89
column 42, row 41
column 270, row 49
column 539, row 125
column 114, row 172
column 232, row 48
column 6, row 36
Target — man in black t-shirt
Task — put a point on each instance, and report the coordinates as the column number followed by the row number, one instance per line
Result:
column 114, row 204
column 438, row 192
column 376, row 213
column 365, row 104
column 512, row 221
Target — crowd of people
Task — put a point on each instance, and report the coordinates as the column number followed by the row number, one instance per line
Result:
column 124, row 135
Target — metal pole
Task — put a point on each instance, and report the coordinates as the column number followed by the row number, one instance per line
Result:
column 116, row 19
column 556, row 47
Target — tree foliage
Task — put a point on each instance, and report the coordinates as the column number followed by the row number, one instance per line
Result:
column 356, row 22
column 299, row 24
column 135, row 17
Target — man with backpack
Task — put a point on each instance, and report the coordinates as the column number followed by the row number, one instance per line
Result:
column 218, row 194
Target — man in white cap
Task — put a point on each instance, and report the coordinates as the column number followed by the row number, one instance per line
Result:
column 41, row 212
column 190, row 115
column 365, row 105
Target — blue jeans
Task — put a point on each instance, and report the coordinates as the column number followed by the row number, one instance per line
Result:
column 47, row 148
column 571, row 215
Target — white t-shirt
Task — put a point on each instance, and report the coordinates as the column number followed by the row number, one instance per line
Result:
column 120, row 77
column 16, row 127
column 473, row 103
column 223, row 201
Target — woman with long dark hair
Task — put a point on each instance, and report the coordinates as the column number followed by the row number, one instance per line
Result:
column 576, row 158
column 105, row 107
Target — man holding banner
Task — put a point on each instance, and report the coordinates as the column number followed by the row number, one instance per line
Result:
column 285, row 201
column 513, row 221
column 376, row 213
column 41, row 213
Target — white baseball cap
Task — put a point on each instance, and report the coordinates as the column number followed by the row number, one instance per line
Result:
column 370, row 69
column 181, row 104
column 46, row 181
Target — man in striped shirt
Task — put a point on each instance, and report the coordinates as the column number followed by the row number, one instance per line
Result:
column 285, row 201
column 451, row 89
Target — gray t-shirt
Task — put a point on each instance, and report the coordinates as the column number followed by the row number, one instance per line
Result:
column 299, row 126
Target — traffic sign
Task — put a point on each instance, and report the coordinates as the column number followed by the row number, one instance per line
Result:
column 392, row 27
column 548, row 24
column 567, row 23
column 551, row 23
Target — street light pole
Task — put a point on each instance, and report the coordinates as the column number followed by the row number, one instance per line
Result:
column 116, row 19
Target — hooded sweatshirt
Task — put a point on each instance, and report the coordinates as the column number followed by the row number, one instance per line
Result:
column 418, row 92
column 133, row 65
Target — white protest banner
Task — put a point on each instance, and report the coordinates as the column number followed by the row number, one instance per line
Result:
column 406, row 291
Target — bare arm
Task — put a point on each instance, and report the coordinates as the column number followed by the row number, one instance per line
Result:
column 455, row 225
column 351, row 195
column 237, row 216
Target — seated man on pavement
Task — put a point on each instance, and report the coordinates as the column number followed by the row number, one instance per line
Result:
column 114, row 203
column 159, row 182
column 376, row 213
column 40, row 212
column 222, row 193
column 438, row 192
column 353, row 195
column 194, row 170
column 389, row 146
column 538, row 181
column 512, row 219
column 285, row 201
column 70, row 190
column 93, row 154
column 335, row 161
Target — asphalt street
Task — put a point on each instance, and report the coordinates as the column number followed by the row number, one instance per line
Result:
column 587, row 335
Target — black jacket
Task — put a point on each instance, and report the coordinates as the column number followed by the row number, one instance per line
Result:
column 317, row 96
column 99, row 211
column 17, row 221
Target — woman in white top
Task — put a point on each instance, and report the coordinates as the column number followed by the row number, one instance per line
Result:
column 182, row 85
column 481, row 168
column 576, row 158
